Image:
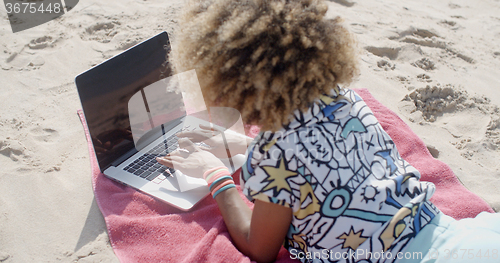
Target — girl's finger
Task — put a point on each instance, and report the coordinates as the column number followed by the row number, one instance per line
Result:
column 164, row 161
column 188, row 145
column 213, row 131
column 208, row 149
column 203, row 148
column 191, row 136
column 167, row 162
column 179, row 152
column 206, row 127
column 170, row 158
column 173, row 162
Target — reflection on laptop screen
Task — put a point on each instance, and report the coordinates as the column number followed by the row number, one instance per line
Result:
column 105, row 91
column 153, row 106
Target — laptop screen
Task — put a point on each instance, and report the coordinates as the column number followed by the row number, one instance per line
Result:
column 106, row 89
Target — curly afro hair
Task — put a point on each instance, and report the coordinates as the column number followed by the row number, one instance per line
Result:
column 265, row 58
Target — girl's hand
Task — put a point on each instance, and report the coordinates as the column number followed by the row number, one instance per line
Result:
column 221, row 144
column 190, row 159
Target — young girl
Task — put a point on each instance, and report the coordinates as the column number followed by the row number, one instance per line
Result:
column 323, row 174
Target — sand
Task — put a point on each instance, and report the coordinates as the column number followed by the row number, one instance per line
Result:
column 435, row 63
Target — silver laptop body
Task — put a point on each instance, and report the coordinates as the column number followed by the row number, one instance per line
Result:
column 106, row 92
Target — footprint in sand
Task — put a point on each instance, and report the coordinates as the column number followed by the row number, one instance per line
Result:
column 44, row 134
column 343, row 2
column 493, row 130
column 474, row 144
column 26, row 60
column 14, row 151
column 4, row 256
column 129, row 43
column 358, row 28
column 390, row 53
column 424, row 63
column 424, row 78
column 23, row 61
column 5, row 65
column 433, row 151
column 102, row 32
column 386, row 65
column 404, row 80
column 36, row 62
column 427, row 38
column 450, row 24
column 41, row 42
column 61, row 89
column 422, row 37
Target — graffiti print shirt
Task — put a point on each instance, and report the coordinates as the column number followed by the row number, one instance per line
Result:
column 350, row 191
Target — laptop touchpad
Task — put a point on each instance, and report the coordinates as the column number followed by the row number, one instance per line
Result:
column 187, row 183
column 170, row 184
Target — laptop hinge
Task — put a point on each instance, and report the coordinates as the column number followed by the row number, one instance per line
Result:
column 122, row 158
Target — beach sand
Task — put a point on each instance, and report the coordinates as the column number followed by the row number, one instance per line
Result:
column 436, row 64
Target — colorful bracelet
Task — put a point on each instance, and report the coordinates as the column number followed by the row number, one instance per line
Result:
column 217, row 175
column 212, row 172
column 223, row 187
column 219, row 186
column 220, row 179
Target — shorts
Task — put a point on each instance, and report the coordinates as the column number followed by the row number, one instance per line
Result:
column 445, row 239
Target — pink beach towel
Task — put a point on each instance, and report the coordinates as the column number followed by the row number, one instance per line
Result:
column 142, row 229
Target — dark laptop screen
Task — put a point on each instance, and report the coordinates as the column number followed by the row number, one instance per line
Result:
column 105, row 91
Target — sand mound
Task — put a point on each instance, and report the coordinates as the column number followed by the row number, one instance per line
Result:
column 434, row 101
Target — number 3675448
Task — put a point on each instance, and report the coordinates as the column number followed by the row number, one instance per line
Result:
column 33, row 8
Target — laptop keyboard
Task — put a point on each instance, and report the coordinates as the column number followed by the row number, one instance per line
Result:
column 147, row 167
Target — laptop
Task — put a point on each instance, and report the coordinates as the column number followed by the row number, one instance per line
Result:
column 133, row 111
